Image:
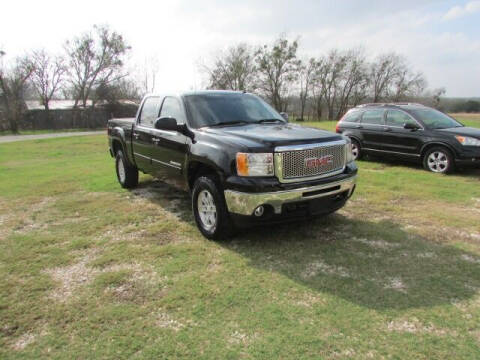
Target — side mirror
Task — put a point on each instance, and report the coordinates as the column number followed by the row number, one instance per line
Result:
column 167, row 124
column 284, row 115
column 410, row 126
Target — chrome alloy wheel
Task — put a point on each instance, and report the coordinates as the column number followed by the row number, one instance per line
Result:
column 207, row 210
column 121, row 170
column 437, row 162
column 355, row 151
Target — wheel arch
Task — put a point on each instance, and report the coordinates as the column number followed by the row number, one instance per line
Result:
column 195, row 168
column 433, row 144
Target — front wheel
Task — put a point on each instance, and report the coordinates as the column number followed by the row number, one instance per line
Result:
column 127, row 175
column 210, row 210
column 356, row 150
column 438, row 160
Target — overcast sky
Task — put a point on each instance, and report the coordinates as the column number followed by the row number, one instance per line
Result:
column 440, row 38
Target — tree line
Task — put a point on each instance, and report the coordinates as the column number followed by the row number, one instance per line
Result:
column 328, row 84
column 91, row 68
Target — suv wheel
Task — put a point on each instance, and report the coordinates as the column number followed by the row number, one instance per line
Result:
column 356, row 150
column 210, row 209
column 438, row 160
column 127, row 175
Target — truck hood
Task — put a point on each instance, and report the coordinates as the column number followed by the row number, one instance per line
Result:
column 272, row 134
column 464, row 131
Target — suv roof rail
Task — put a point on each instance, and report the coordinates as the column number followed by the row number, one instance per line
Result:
column 390, row 104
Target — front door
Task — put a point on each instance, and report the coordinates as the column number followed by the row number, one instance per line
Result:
column 170, row 147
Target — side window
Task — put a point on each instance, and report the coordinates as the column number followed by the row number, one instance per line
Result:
column 397, row 118
column 150, row 110
column 353, row 116
column 374, row 117
column 172, row 108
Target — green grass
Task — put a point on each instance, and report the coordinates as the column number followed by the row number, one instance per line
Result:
column 93, row 271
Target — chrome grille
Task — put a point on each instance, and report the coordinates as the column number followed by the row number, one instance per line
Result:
column 292, row 165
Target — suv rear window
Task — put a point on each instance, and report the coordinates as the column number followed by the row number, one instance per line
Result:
column 353, row 116
column 373, row 117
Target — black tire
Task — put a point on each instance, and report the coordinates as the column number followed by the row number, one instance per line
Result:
column 356, row 144
column 222, row 228
column 129, row 178
column 439, row 160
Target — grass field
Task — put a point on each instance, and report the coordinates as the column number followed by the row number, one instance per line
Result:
column 93, row 271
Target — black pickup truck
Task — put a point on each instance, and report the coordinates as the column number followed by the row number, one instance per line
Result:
column 242, row 162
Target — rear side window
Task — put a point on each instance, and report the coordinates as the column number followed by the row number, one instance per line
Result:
column 397, row 118
column 374, row 117
column 150, row 110
column 172, row 108
column 353, row 116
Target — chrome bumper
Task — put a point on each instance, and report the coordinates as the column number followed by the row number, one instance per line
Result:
column 245, row 203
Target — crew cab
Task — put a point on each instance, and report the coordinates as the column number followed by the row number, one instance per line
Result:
column 412, row 132
column 241, row 160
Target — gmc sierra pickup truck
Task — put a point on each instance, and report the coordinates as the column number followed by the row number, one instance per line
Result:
column 242, row 162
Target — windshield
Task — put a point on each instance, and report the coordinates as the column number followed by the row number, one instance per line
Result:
column 435, row 119
column 225, row 109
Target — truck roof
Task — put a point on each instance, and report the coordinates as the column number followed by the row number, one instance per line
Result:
column 197, row 92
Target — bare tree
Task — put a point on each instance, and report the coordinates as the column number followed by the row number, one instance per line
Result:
column 383, row 72
column 306, row 73
column 407, row 84
column 317, row 86
column 13, row 84
column 147, row 75
column 437, row 95
column 47, row 76
column 352, row 81
column 233, row 69
column 277, row 67
column 94, row 59
column 123, row 89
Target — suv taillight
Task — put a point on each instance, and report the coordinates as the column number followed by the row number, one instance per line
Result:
column 337, row 127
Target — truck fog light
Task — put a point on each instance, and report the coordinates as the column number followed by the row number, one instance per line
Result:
column 259, row 211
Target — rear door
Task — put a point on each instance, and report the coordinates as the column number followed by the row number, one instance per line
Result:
column 372, row 124
column 170, row 147
column 142, row 133
column 400, row 140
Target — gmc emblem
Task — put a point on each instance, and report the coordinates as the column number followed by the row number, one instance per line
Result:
column 317, row 162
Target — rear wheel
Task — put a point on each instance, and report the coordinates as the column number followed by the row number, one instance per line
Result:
column 210, row 210
column 127, row 175
column 438, row 160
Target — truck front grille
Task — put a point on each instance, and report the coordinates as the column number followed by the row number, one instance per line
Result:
column 312, row 162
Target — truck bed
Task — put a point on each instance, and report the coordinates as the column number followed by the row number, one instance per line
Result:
column 122, row 122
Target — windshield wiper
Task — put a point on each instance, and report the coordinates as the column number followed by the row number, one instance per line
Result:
column 269, row 121
column 224, row 123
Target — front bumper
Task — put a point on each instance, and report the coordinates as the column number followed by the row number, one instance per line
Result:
column 244, row 203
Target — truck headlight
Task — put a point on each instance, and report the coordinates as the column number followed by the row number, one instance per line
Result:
column 255, row 164
column 467, row 141
column 348, row 153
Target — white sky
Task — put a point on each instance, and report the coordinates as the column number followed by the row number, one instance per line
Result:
column 440, row 38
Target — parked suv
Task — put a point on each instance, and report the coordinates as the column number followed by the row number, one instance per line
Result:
column 241, row 161
column 411, row 131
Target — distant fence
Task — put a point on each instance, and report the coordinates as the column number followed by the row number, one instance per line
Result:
column 75, row 118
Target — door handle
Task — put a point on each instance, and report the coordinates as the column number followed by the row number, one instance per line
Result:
column 136, row 135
